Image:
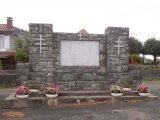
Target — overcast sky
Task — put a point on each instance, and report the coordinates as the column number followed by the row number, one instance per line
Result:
column 141, row 16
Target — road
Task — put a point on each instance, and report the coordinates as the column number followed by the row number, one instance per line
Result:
column 115, row 111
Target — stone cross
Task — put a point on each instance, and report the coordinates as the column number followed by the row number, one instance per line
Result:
column 118, row 44
column 80, row 35
column 40, row 43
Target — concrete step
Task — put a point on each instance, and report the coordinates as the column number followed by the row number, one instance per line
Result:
column 83, row 93
column 71, row 97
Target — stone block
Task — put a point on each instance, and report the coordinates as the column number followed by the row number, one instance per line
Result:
column 119, row 69
column 43, row 63
column 34, row 49
column 103, row 70
column 50, row 63
column 102, row 57
column 102, row 63
column 45, row 48
column 102, row 47
column 47, row 36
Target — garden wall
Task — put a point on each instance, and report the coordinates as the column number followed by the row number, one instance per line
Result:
column 151, row 75
column 136, row 75
column 8, row 78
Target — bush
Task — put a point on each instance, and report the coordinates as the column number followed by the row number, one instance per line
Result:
column 34, row 86
column 21, row 46
column 127, row 85
column 136, row 58
column 22, row 57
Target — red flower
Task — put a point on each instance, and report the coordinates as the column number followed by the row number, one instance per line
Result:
column 143, row 89
column 22, row 90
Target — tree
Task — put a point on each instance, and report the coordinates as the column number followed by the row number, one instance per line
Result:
column 152, row 47
column 22, row 51
column 135, row 46
column 21, row 44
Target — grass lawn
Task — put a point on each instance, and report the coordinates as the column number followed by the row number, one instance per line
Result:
column 7, row 88
column 150, row 81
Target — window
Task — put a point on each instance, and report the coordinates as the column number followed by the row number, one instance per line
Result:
column 4, row 43
column 8, row 66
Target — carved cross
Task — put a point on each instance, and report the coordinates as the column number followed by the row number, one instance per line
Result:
column 40, row 43
column 80, row 35
column 118, row 44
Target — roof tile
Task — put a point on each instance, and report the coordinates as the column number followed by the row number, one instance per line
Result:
column 3, row 27
column 6, row 54
column 83, row 31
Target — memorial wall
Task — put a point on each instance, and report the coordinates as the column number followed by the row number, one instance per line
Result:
column 75, row 61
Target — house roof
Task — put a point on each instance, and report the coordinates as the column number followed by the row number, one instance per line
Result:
column 3, row 28
column 83, row 31
column 6, row 54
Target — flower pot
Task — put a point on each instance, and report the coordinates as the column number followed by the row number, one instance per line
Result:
column 127, row 89
column 133, row 61
column 51, row 96
column 116, row 94
column 144, row 94
column 22, row 96
column 34, row 90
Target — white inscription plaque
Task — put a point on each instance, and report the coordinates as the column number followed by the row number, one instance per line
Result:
column 79, row 53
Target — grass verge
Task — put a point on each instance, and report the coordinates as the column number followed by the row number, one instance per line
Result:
column 150, row 81
column 7, row 88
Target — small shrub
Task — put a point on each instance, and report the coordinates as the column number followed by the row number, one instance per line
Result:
column 22, row 56
column 146, row 67
column 127, row 85
column 136, row 58
column 34, row 86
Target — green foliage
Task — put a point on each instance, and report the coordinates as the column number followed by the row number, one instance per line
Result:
column 22, row 44
column 136, row 58
column 22, row 56
column 135, row 46
column 152, row 47
column 146, row 67
column 22, row 51
column 127, row 85
column 34, row 86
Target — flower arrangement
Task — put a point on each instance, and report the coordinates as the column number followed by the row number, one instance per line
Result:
column 127, row 85
column 116, row 89
column 34, row 86
column 22, row 90
column 143, row 89
column 52, row 89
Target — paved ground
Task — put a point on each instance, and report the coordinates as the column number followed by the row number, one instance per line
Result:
column 117, row 111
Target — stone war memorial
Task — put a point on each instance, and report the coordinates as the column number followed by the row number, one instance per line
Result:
column 75, row 61
column 83, row 66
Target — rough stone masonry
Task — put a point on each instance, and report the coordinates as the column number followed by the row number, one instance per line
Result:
column 45, row 62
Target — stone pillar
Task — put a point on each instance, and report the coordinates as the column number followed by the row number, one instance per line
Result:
column 41, row 64
column 117, row 62
column 22, row 71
